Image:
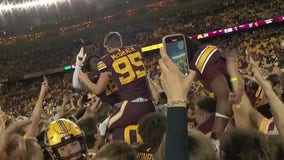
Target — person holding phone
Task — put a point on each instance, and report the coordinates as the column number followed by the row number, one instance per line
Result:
column 125, row 66
column 175, row 46
column 212, row 67
column 176, row 86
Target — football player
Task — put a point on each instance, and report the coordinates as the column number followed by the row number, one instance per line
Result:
column 124, row 65
column 64, row 140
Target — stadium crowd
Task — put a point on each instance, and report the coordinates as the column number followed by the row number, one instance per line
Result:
column 34, row 111
column 148, row 34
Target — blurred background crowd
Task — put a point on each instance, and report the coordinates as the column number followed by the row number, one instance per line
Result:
column 264, row 44
column 54, row 44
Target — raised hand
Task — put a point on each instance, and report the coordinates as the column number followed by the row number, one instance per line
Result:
column 44, row 88
column 258, row 75
column 12, row 145
column 66, row 99
column 80, row 57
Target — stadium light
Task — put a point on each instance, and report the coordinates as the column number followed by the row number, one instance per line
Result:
column 4, row 7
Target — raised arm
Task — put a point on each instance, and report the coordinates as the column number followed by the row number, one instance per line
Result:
column 63, row 105
column 101, row 84
column 12, row 145
column 80, row 58
column 90, row 112
column 245, row 115
column 176, row 86
column 31, row 131
column 75, row 79
column 277, row 106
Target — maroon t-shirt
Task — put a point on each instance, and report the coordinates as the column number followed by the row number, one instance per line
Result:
column 128, row 72
column 110, row 94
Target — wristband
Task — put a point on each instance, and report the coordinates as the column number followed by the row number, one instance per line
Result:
column 222, row 116
column 237, row 105
column 234, row 79
column 174, row 102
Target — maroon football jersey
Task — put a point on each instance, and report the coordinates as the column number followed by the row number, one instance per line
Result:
column 110, row 94
column 146, row 152
column 191, row 123
column 208, row 64
column 265, row 110
column 129, row 134
column 206, row 126
column 128, row 72
column 130, row 113
column 267, row 126
column 254, row 92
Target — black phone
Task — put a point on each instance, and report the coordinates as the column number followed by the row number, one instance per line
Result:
column 176, row 49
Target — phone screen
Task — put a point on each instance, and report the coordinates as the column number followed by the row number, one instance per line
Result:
column 176, row 49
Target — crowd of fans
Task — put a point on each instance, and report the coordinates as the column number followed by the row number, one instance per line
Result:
column 152, row 33
column 30, row 35
column 257, row 52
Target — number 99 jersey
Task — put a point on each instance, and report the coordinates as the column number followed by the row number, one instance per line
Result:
column 128, row 72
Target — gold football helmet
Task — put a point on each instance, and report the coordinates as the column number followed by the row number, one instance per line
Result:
column 62, row 132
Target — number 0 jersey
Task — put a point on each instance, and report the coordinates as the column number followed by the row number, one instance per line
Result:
column 128, row 72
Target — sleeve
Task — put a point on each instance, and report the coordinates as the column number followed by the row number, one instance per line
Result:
column 176, row 134
column 103, row 126
column 267, row 126
column 203, row 57
column 102, row 67
column 75, row 79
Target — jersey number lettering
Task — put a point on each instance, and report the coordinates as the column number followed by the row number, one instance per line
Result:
column 131, row 65
column 127, row 134
column 111, row 88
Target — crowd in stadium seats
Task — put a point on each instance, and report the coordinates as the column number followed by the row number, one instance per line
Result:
column 258, row 56
column 230, row 16
column 186, row 24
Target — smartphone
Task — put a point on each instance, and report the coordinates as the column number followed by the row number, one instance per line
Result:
column 176, row 49
column 44, row 79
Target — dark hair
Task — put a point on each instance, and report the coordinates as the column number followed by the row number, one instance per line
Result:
column 88, row 126
column 151, row 128
column 276, row 141
column 243, row 144
column 116, row 150
column 199, row 147
column 192, row 47
column 207, row 104
column 87, row 63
